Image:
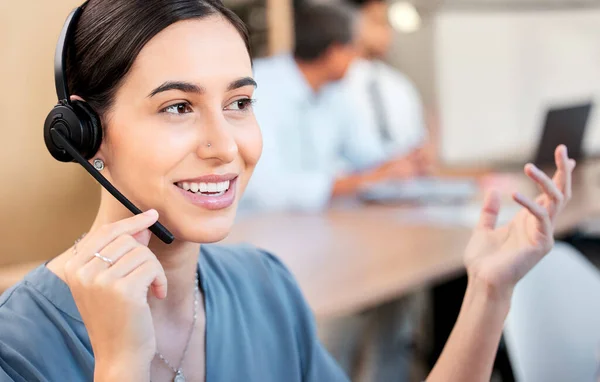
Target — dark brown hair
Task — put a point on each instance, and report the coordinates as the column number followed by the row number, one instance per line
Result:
column 111, row 33
column 320, row 26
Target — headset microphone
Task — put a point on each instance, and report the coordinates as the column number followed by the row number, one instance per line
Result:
column 73, row 132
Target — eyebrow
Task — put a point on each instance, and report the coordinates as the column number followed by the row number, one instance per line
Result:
column 246, row 81
column 188, row 87
column 177, row 85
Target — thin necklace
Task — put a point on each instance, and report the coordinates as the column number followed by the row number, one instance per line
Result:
column 179, row 376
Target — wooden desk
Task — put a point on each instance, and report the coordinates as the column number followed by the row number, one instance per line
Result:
column 346, row 261
column 352, row 258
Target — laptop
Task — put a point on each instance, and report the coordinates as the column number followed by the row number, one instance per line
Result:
column 565, row 125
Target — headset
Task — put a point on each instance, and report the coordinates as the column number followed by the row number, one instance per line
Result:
column 72, row 130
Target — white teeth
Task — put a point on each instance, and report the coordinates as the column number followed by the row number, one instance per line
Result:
column 216, row 189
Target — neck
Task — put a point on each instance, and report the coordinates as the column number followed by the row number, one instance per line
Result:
column 313, row 72
column 178, row 259
column 364, row 53
column 180, row 263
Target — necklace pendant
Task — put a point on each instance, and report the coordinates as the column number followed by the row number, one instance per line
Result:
column 179, row 377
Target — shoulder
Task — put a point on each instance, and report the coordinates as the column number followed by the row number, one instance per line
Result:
column 36, row 335
column 23, row 306
column 20, row 312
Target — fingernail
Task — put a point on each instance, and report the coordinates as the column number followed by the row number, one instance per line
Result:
column 534, row 168
column 151, row 212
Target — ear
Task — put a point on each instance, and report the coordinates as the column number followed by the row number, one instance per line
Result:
column 330, row 52
column 101, row 154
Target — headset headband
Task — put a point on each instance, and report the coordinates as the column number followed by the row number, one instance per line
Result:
column 60, row 56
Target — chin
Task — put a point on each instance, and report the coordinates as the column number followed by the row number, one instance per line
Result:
column 213, row 227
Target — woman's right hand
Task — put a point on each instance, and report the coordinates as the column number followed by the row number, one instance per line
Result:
column 113, row 300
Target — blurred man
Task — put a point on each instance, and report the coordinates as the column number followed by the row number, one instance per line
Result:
column 315, row 146
column 384, row 97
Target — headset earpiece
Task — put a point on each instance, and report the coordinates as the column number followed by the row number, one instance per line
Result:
column 93, row 130
column 78, row 123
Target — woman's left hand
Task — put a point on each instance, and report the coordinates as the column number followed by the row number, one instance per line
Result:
column 498, row 258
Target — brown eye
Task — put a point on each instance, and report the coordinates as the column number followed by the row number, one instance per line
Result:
column 240, row 104
column 178, row 108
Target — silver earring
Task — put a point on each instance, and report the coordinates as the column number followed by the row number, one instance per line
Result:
column 99, row 164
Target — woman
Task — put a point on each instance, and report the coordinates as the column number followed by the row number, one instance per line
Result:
column 172, row 83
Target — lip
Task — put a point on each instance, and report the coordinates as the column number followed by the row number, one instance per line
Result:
column 211, row 202
column 213, row 178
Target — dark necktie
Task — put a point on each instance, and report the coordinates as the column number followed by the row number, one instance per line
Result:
column 378, row 107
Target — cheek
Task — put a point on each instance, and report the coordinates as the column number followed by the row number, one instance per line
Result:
column 385, row 35
column 147, row 151
column 249, row 142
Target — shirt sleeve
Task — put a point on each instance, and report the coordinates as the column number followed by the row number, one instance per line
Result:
column 317, row 364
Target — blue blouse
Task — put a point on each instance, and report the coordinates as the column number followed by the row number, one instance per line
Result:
column 258, row 326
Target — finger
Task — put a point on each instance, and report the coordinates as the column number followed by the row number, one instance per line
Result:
column 490, row 210
column 549, row 188
column 127, row 264
column 97, row 240
column 143, row 237
column 149, row 274
column 542, row 219
column 573, row 163
column 564, row 167
column 114, row 251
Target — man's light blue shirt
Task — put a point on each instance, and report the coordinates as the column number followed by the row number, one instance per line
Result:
column 308, row 139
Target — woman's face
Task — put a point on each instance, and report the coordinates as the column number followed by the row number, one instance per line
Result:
column 181, row 136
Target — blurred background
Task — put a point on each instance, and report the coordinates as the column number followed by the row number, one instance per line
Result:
column 383, row 268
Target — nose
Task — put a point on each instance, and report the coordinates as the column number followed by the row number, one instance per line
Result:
column 217, row 141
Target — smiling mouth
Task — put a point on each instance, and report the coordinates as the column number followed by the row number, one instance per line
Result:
column 206, row 188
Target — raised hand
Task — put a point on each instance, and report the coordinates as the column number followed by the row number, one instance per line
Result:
column 501, row 256
column 111, row 290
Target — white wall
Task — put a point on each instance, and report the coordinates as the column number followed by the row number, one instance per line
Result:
column 498, row 72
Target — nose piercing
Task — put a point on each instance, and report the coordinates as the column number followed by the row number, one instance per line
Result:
column 209, row 144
